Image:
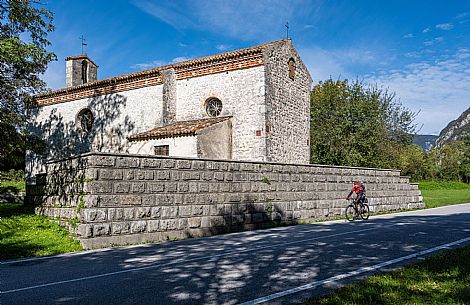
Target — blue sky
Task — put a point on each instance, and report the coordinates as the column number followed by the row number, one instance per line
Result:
column 418, row 49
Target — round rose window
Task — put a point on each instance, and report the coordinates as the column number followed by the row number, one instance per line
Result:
column 85, row 120
column 213, row 107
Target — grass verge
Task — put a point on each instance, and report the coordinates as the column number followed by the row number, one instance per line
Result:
column 12, row 186
column 24, row 234
column 436, row 194
column 441, row 279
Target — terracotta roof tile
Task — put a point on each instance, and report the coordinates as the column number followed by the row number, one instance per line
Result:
column 180, row 66
column 177, row 129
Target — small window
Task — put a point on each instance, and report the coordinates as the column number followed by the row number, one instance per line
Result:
column 85, row 120
column 84, row 71
column 162, row 150
column 291, row 68
column 213, row 107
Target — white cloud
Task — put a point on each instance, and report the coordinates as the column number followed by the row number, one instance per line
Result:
column 408, row 35
column 223, row 47
column 440, row 90
column 158, row 63
column 244, row 19
column 445, row 26
column 426, row 30
column 148, row 65
column 180, row 59
column 433, row 41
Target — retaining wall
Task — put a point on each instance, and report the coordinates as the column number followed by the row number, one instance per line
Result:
column 116, row 199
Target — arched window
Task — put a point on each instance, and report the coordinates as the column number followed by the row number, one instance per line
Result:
column 213, row 107
column 291, row 68
column 85, row 120
column 84, row 71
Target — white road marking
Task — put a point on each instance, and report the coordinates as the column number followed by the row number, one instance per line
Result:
column 352, row 273
column 186, row 260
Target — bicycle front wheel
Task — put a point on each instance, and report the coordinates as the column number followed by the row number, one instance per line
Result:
column 365, row 211
column 350, row 213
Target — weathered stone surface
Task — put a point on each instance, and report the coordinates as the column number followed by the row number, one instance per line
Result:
column 135, row 201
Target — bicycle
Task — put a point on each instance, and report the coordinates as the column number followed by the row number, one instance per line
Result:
column 356, row 210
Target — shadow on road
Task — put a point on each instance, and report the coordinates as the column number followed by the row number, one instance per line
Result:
column 238, row 267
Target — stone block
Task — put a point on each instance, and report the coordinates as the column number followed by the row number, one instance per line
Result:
column 183, row 224
column 194, row 222
column 143, row 212
column 168, row 163
column 103, row 160
column 219, row 176
column 144, row 175
column 151, row 163
column 138, row 187
column 165, row 199
column 155, row 187
column 171, row 187
column 138, row 226
column 148, row 200
column 126, row 162
column 213, row 187
column 120, row 228
column 101, row 229
column 115, row 214
column 199, row 165
column 183, row 164
column 129, row 174
column 163, row 175
column 128, row 213
column 110, row 174
column 94, row 215
column 130, row 200
column 183, row 187
column 258, row 217
column 204, row 187
column 189, row 198
column 122, row 187
column 153, row 226
column 155, row 212
column 185, row 210
column 197, row 210
column 84, row 230
column 101, row 187
column 224, row 187
column 190, row 175
column 169, row 211
column 168, row 224
column 237, row 219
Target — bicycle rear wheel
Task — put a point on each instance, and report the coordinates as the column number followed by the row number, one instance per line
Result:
column 350, row 212
column 364, row 211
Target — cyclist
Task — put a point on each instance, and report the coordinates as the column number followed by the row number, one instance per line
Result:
column 360, row 193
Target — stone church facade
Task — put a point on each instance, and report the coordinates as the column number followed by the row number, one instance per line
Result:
column 249, row 105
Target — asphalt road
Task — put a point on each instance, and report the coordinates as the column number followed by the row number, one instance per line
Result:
column 275, row 266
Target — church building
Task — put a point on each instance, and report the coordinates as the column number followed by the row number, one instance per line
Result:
column 251, row 104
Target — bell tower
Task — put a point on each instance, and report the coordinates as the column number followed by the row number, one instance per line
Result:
column 80, row 69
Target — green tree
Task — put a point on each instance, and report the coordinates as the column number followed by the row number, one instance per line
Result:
column 23, row 58
column 357, row 125
column 413, row 162
column 465, row 164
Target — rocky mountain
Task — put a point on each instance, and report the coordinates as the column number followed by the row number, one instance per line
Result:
column 455, row 130
column 425, row 141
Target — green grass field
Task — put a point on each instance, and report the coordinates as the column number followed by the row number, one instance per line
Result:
column 24, row 234
column 12, row 186
column 436, row 194
column 441, row 279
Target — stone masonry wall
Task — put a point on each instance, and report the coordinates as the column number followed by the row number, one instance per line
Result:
column 118, row 199
column 288, row 106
